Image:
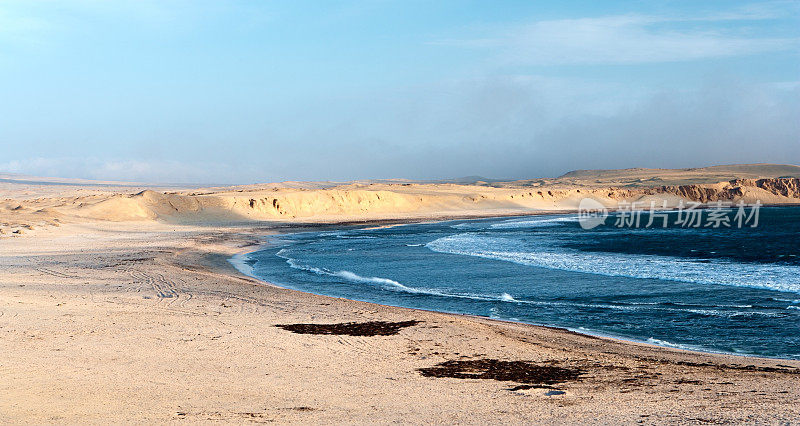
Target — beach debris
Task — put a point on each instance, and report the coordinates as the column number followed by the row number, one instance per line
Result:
column 370, row 328
column 511, row 371
column 526, row 387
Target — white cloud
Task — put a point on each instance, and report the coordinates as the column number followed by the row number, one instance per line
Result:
column 626, row 39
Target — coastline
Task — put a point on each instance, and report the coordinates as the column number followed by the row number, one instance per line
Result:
column 238, row 261
column 246, row 271
column 132, row 322
column 122, row 306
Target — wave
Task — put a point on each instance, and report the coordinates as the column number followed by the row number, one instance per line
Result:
column 771, row 277
column 386, row 283
column 696, row 348
column 659, row 342
column 467, row 225
column 734, row 314
column 792, row 301
column 345, row 235
column 534, row 222
column 347, row 275
column 392, row 285
column 505, row 297
column 714, row 310
column 244, row 264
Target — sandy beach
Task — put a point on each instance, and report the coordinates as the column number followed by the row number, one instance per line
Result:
column 147, row 321
column 398, row 212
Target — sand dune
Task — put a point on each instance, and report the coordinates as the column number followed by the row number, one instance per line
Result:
column 26, row 206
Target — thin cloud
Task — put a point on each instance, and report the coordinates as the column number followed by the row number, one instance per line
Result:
column 509, row 127
column 146, row 171
column 626, row 39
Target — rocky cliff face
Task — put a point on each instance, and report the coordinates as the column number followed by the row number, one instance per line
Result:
column 788, row 187
column 734, row 189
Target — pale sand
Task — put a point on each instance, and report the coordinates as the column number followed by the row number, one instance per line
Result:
column 146, row 321
column 24, row 206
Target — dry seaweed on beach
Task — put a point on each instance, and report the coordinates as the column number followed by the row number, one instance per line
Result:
column 370, row 328
column 510, row 371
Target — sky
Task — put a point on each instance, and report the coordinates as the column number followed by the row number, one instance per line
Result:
column 261, row 91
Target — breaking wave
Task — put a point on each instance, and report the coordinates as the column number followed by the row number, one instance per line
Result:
column 771, row 276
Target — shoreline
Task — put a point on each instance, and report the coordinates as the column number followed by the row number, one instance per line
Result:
column 97, row 315
column 238, row 261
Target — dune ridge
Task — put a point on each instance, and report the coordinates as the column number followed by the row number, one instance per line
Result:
column 378, row 200
column 386, row 200
column 365, row 200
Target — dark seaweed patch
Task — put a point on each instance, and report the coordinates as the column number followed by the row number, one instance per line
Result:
column 371, row 328
column 511, row 371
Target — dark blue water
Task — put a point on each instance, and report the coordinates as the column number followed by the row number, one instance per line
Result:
column 728, row 289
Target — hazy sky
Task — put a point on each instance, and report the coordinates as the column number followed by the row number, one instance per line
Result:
column 254, row 91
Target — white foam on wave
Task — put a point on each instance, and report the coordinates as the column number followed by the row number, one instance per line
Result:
column 390, row 284
column 533, row 222
column 330, row 233
column 659, row 342
column 240, row 263
column 352, row 276
column 695, row 348
column 772, row 277
column 386, row 283
column 347, row 275
column 466, row 225
column 734, row 314
column 505, row 297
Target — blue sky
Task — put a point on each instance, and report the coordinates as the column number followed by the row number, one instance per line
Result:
column 256, row 91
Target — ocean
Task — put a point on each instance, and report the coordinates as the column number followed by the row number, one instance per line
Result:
column 725, row 289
